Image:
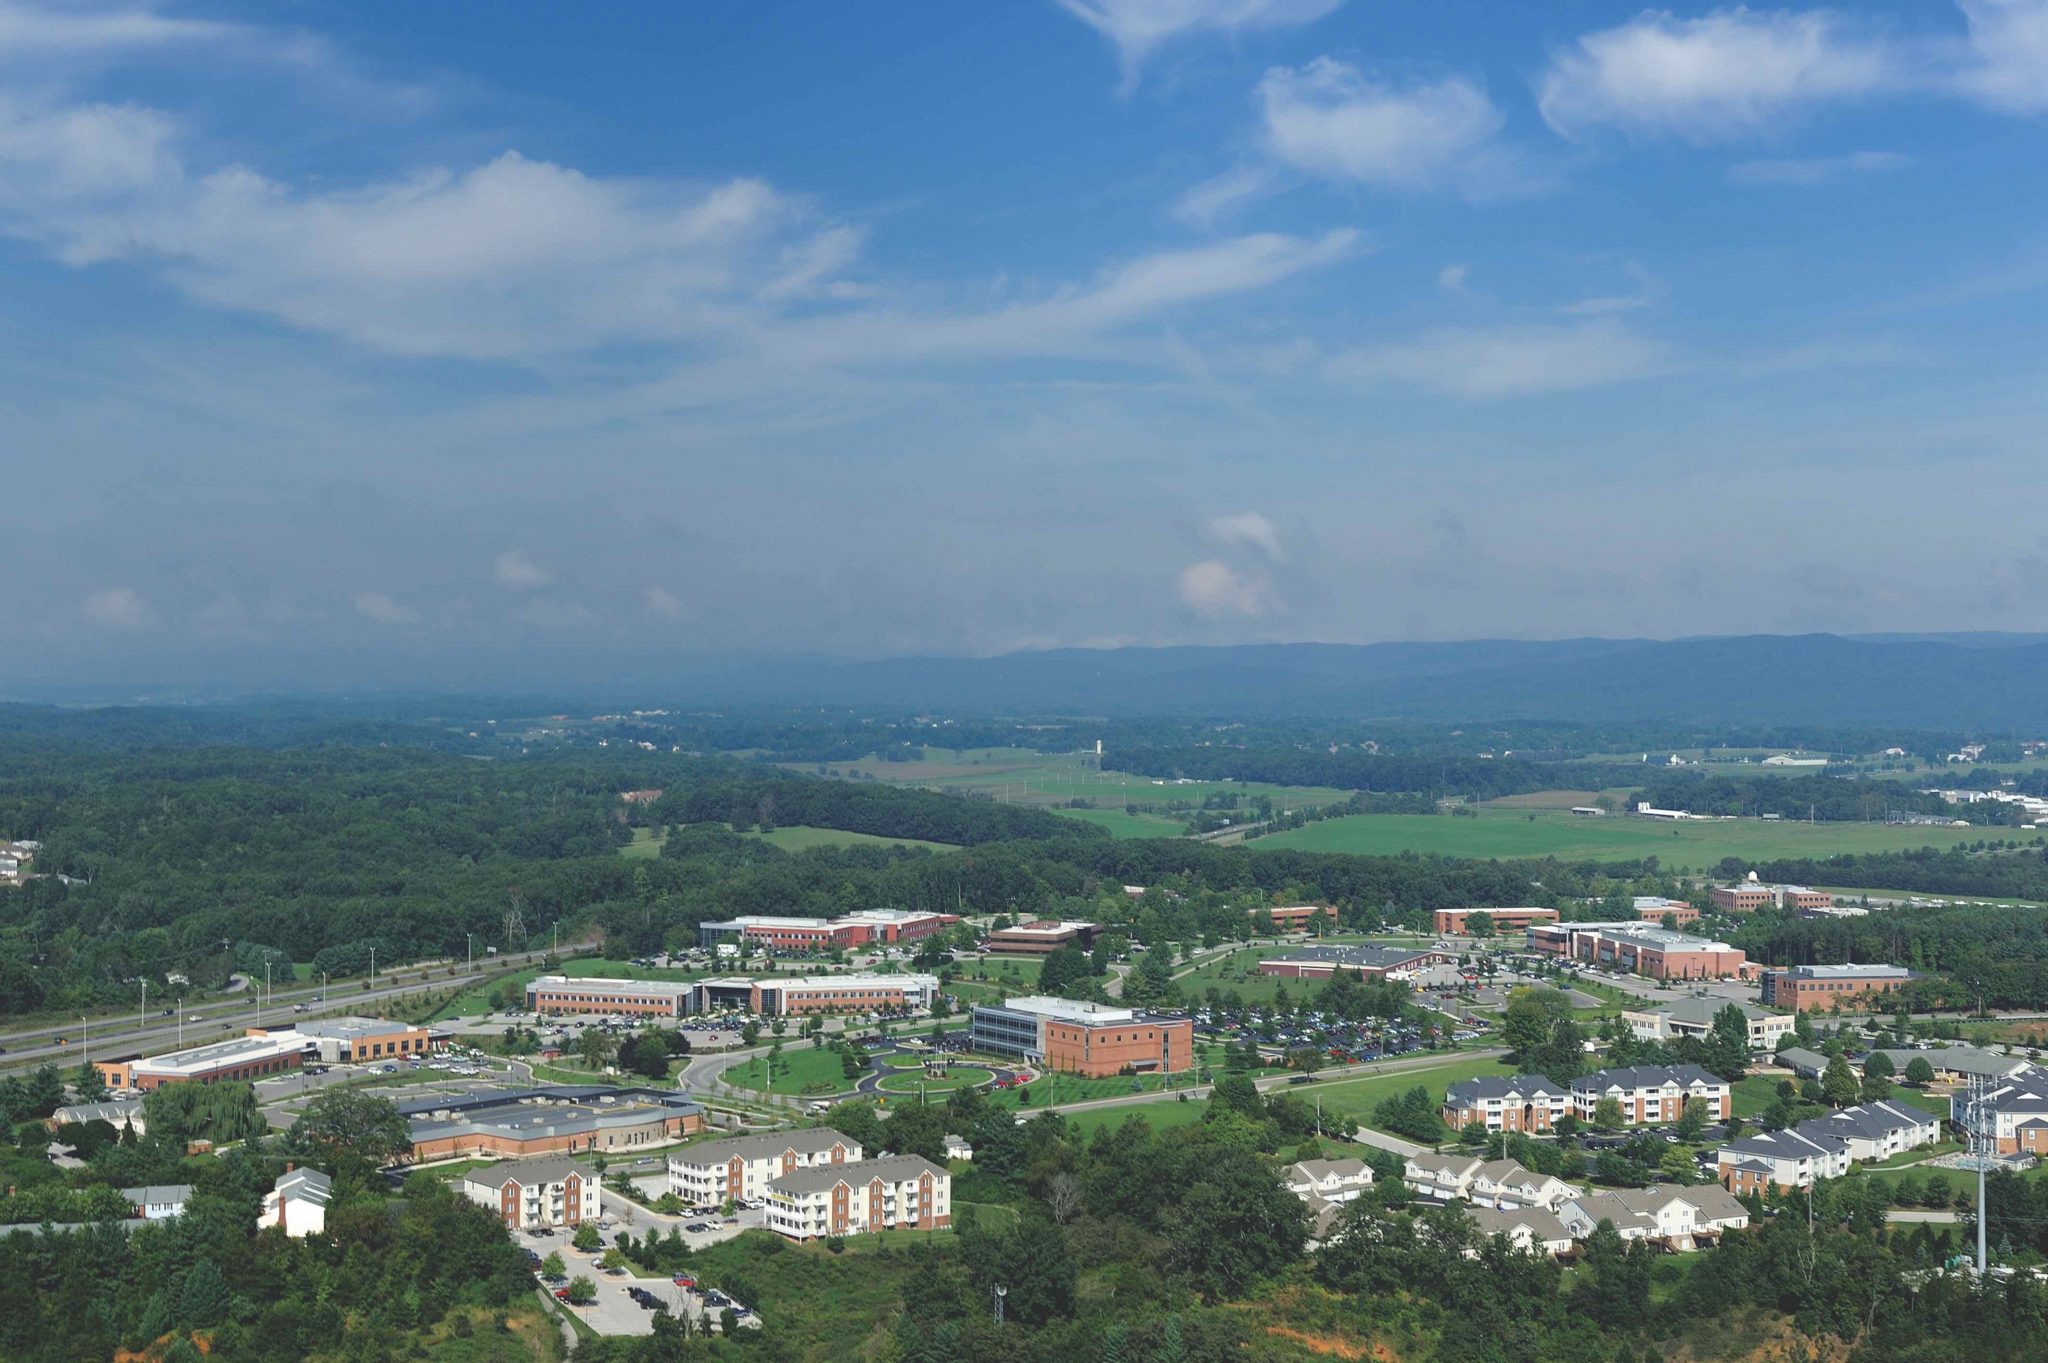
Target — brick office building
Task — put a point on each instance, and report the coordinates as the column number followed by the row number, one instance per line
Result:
column 246, row 1057
column 1659, row 953
column 628, row 998
column 1805, row 988
column 1452, row 922
column 1088, row 1039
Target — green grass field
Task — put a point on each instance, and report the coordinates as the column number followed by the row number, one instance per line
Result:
column 1021, row 776
column 1125, row 825
column 1696, row 845
column 914, row 1081
column 803, row 1070
column 1163, row 1115
column 795, row 838
column 1356, row 1098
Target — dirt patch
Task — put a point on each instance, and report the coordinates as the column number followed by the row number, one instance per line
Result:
column 1335, row 1346
column 1756, row 1337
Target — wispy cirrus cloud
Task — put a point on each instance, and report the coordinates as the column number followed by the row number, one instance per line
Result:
column 1136, row 29
column 1515, row 360
column 1816, row 170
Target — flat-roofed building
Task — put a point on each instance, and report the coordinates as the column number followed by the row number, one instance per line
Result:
column 1296, row 917
column 867, row 927
column 1655, row 908
column 1961, row 1064
column 851, row 993
column 1089, row 1039
column 1739, row 898
column 537, row 1192
column 627, row 998
column 245, row 1057
column 1639, row 948
column 1453, row 922
column 1695, row 1017
column 1041, row 937
column 740, row 1168
column 1804, row 988
column 1800, row 897
column 548, row 1120
column 355, row 1041
column 1369, row 963
column 901, row 1192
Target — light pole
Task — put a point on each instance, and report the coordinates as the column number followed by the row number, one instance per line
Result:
column 373, row 965
column 85, row 1038
column 1000, row 1293
column 142, row 1018
column 323, row 989
column 181, row 1022
column 264, row 997
column 469, row 941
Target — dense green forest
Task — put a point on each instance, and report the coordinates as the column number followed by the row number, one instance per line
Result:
column 1972, row 952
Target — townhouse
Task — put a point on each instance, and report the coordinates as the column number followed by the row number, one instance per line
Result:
column 537, row 1192
column 1507, row 1185
column 1317, row 1181
column 740, row 1168
column 1876, row 1131
column 1444, row 1177
column 1781, row 1159
column 1531, row 1230
column 1671, row 1217
column 1652, row 1093
column 1518, row 1102
column 899, row 1192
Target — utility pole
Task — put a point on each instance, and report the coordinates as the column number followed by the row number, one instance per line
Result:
column 323, row 989
column 373, row 965
column 1000, row 1293
column 469, row 941
column 142, row 1018
column 263, row 999
column 85, row 1038
column 181, row 1022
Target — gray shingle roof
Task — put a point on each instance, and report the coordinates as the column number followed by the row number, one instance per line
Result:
column 764, row 1145
column 820, row 1177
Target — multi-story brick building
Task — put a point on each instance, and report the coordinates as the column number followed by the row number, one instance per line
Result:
column 537, row 1192
column 2013, row 1112
column 1090, row 1039
column 1517, row 1102
column 549, row 1120
column 1652, row 1093
column 1804, row 988
column 1658, row 953
column 627, row 998
column 1739, row 898
column 355, row 1041
column 740, row 1168
column 1296, row 917
column 1452, row 922
column 1041, row 938
column 1783, row 1160
column 903, row 1192
column 869, row 927
column 1654, row 908
column 795, row 997
column 247, row 1057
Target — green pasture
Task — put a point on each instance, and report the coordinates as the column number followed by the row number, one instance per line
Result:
column 1021, row 776
column 1122, row 824
column 1693, row 844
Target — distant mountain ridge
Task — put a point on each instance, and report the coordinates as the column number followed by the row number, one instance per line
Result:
column 1920, row 682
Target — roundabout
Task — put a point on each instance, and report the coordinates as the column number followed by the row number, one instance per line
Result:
column 906, row 1080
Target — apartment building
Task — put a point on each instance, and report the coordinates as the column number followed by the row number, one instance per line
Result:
column 626, row 998
column 1806, row 988
column 740, row 1168
column 2014, row 1113
column 1670, row 1217
column 1781, row 1159
column 1089, row 1039
column 1695, row 1017
column 901, row 1192
column 537, row 1192
column 1453, row 922
column 1639, row 948
column 1652, row 1093
column 1519, row 1102
column 1876, row 1131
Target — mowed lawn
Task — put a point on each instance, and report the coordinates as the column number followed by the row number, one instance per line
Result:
column 1694, row 844
column 801, row 1070
column 1021, row 776
column 1126, row 825
column 1356, row 1098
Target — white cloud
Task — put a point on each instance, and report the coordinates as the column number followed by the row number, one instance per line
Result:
column 115, row 608
column 2009, row 50
column 1137, row 28
column 377, row 607
column 1331, row 120
column 1508, row 361
column 520, row 573
column 1451, row 278
column 1211, row 199
column 1729, row 74
column 1212, row 587
column 660, row 601
column 1249, row 528
column 1816, row 170
column 38, row 33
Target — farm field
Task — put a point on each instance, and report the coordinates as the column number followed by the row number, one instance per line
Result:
column 795, row 838
column 1021, row 776
column 1126, row 825
column 1356, row 1098
column 1695, row 845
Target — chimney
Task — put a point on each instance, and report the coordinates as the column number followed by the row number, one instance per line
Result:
column 289, row 1166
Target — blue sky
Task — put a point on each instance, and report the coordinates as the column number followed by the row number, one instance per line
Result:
column 336, row 333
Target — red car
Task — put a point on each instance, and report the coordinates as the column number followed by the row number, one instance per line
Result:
column 685, row 1280
column 561, row 1294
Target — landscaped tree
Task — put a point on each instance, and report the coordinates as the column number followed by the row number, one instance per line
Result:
column 1877, row 1077
column 1607, row 1114
column 1918, row 1072
column 553, row 1265
column 582, row 1290
column 1838, row 1082
column 1479, row 923
column 586, row 1237
column 1692, row 1119
column 1728, row 1043
column 351, row 1132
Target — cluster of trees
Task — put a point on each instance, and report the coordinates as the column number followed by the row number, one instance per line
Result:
column 1971, row 954
column 769, row 799
column 1431, row 776
column 1827, row 798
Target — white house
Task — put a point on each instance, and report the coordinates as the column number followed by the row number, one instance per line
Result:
column 1444, row 1177
column 1505, row 1184
column 741, row 1167
column 1327, row 1180
column 158, row 1201
column 298, row 1202
column 1529, row 1229
column 1671, row 1216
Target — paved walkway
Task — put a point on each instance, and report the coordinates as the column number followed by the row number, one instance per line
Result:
column 1918, row 1217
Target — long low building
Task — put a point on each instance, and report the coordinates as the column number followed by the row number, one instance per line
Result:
column 591, row 994
column 1695, row 1017
column 869, row 927
column 1369, row 963
column 1454, row 922
column 1295, row 917
column 549, row 1120
column 1041, row 938
column 1089, row 1039
column 740, row 1168
column 1824, row 1146
column 1514, row 1102
column 1670, row 1217
column 356, row 1041
column 245, row 1057
column 899, row 1192
column 1805, row 988
column 1654, row 952
column 798, row 996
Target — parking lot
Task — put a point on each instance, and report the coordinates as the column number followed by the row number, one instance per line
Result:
column 614, row 1311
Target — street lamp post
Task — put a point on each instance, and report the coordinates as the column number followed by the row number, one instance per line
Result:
column 469, row 941
column 181, row 1022
column 85, row 1038
column 323, row 989
column 373, row 965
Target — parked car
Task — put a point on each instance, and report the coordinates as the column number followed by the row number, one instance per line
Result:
column 685, row 1280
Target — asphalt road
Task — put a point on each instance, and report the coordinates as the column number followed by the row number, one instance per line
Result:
column 221, row 1018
